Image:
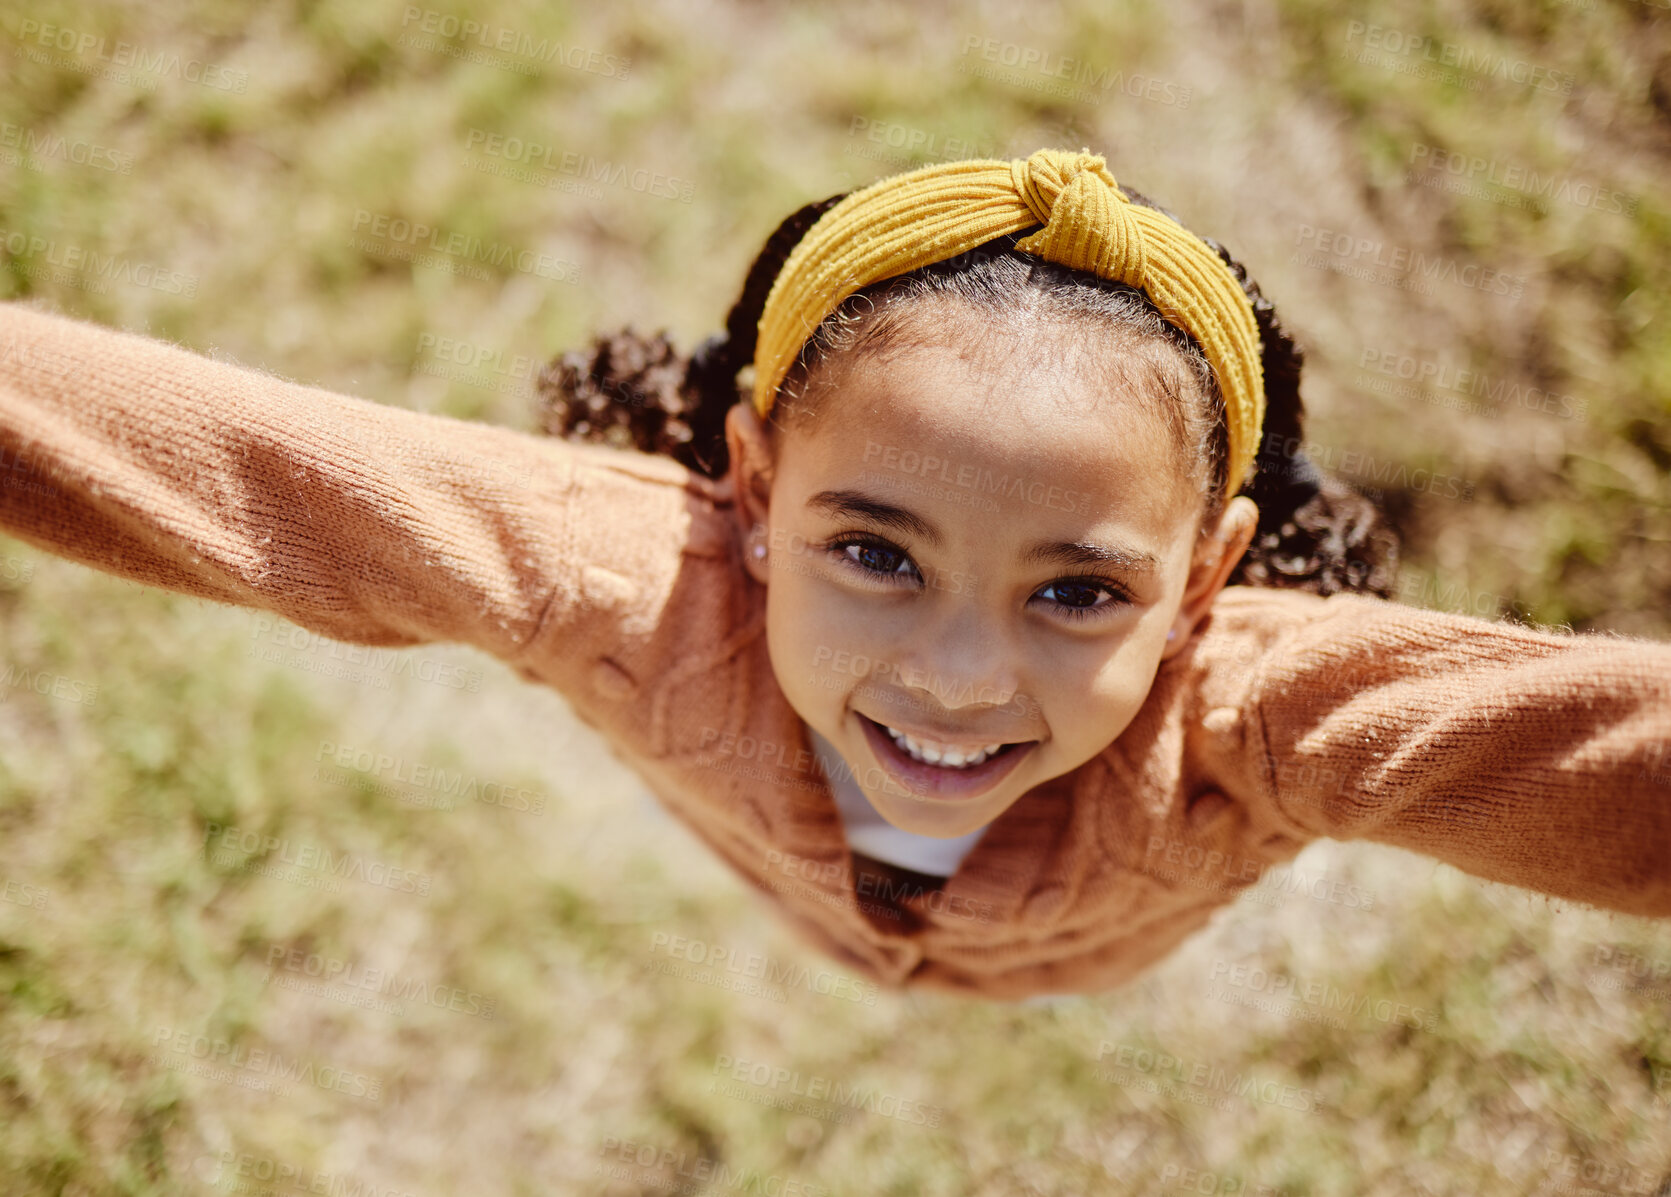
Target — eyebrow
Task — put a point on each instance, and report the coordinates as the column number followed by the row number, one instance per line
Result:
column 858, row 505
column 1077, row 552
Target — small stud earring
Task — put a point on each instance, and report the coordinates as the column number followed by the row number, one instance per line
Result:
column 1172, row 633
column 759, row 551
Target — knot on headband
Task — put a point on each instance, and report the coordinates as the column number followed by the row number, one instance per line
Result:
column 1086, row 218
column 910, row 220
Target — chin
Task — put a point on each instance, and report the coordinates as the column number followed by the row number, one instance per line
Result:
column 936, row 824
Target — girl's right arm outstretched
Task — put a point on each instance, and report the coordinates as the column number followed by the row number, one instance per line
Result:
column 360, row 521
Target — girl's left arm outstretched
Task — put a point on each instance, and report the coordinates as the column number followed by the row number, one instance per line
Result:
column 1532, row 757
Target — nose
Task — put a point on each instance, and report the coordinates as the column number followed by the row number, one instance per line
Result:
column 962, row 660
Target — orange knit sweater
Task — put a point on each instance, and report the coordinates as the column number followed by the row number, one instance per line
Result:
column 1530, row 757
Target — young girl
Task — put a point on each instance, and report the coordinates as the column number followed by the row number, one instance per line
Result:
column 994, row 629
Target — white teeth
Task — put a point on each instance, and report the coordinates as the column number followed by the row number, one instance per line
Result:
column 945, row 757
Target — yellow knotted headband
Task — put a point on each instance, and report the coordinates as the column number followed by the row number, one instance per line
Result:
column 928, row 215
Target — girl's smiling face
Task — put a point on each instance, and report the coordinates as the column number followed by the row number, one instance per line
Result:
column 975, row 542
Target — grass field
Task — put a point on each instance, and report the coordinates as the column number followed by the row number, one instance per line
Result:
column 1461, row 208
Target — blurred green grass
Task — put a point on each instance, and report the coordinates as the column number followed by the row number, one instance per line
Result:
column 120, row 924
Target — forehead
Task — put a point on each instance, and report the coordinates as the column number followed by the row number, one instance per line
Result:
column 1057, row 406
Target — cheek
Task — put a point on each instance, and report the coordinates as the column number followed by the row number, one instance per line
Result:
column 810, row 622
column 1089, row 708
column 811, row 655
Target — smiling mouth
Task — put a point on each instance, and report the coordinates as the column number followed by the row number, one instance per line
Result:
column 937, row 770
column 946, row 756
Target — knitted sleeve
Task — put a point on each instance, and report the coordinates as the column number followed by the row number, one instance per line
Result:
column 1532, row 757
column 360, row 521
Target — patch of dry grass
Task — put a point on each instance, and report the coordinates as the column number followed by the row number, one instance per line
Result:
column 1540, row 1059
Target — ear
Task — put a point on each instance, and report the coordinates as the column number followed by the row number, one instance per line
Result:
column 1215, row 558
column 753, row 460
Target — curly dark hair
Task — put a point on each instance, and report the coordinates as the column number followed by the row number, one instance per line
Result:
column 1315, row 532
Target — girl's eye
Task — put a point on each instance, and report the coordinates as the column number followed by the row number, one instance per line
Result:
column 875, row 558
column 1078, row 598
